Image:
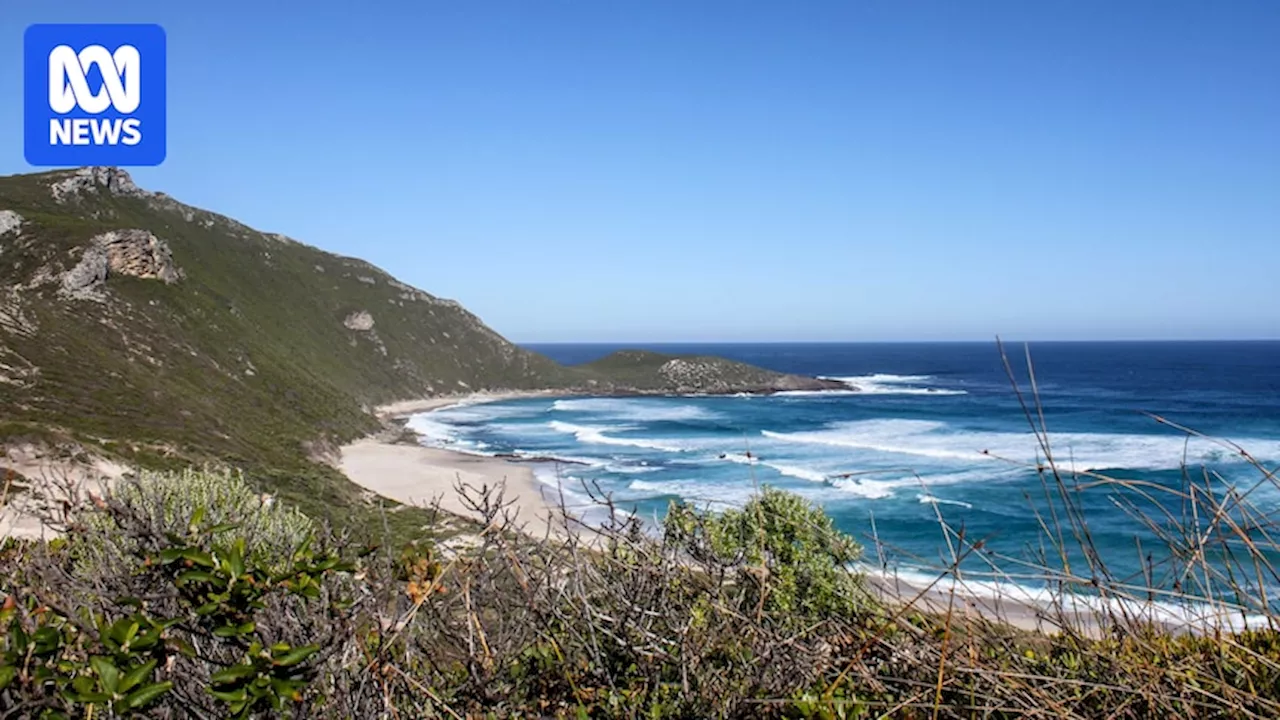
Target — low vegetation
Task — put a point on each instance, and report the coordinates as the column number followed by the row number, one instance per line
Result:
column 221, row 603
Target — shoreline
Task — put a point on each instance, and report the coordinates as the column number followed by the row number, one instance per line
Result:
column 414, row 474
column 405, row 408
column 418, row 475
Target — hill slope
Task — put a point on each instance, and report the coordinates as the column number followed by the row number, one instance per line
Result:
column 646, row 371
column 163, row 334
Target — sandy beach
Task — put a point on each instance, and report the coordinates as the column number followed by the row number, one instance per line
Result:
column 417, row 475
column 420, row 476
column 404, row 408
column 56, row 478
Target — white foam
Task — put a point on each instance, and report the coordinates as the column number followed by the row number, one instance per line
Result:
column 887, row 384
column 634, row 409
column 1192, row 614
column 430, row 429
column 596, row 435
column 814, row 393
column 718, row 496
column 934, row 500
column 880, row 378
column 796, row 471
column 622, row 469
column 1071, row 451
column 740, row 459
column 577, row 499
column 557, row 457
column 870, row 487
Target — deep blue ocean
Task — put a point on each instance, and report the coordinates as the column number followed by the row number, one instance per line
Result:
column 932, row 429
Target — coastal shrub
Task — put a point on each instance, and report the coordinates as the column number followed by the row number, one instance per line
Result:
column 751, row 613
column 171, row 498
column 167, row 502
column 787, row 553
column 171, row 612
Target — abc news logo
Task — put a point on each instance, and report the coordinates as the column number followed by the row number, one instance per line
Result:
column 94, row 95
column 69, row 88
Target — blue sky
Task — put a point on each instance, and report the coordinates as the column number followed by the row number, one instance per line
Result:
column 685, row 170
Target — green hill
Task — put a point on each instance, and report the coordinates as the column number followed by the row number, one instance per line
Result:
column 142, row 328
column 646, row 371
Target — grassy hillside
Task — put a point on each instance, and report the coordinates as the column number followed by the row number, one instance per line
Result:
column 166, row 335
column 255, row 350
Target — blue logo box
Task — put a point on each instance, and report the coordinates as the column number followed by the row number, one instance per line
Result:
column 94, row 95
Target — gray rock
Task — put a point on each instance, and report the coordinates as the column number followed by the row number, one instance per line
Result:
column 83, row 281
column 136, row 253
column 139, row 254
column 95, row 179
column 359, row 321
column 9, row 222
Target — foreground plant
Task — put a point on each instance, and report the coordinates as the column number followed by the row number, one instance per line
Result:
column 754, row 612
column 111, row 618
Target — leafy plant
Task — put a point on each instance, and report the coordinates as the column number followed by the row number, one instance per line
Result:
column 788, row 555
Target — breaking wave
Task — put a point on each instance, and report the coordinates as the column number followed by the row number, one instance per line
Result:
column 887, row 384
column 940, row 441
column 595, row 435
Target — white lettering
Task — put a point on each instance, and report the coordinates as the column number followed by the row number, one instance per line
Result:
column 132, row 131
column 59, row 132
column 105, row 132
column 80, row 128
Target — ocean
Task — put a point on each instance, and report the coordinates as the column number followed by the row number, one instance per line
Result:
column 935, row 431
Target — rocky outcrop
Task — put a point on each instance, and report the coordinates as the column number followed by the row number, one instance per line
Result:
column 10, row 221
column 717, row 376
column 83, row 281
column 95, row 180
column 359, row 321
column 646, row 372
column 139, row 254
column 136, row 253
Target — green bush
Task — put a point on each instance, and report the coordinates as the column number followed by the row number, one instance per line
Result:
column 789, row 556
column 167, row 501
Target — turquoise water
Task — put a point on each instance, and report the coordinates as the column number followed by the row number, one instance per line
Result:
column 934, row 431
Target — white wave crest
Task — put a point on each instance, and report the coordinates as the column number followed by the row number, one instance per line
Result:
column 1071, row 451
column 934, row 500
column 432, row 430
column 814, row 393
column 1197, row 615
column 634, row 409
column 887, row 384
column 558, row 457
column 872, row 487
column 626, row 469
column 595, row 435
column 717, row 496
column 796, row 471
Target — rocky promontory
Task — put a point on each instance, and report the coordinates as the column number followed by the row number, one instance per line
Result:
column 647, row 372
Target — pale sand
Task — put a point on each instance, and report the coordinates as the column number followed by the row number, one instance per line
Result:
column 423, row 476
column 405, row 408
column 52, row 480
column 416, row 475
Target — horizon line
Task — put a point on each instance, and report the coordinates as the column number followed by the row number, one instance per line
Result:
column 991, row 341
